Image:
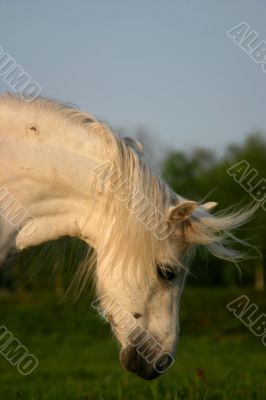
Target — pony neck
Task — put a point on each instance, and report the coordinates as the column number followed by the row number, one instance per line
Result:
column 50, row 173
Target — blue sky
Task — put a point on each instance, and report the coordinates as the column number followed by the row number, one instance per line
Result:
column 167, row 65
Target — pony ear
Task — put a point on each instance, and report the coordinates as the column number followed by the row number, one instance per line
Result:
column 182, row 211
column 209, row 206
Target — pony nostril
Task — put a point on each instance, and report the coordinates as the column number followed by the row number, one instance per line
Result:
column 164, row 363
column 137, row 315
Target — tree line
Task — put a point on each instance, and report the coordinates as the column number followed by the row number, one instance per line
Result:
column 234, row 180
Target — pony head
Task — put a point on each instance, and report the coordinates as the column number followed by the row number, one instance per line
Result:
column 146, row 239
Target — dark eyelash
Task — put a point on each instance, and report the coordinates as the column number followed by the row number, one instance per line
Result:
column 166, row 273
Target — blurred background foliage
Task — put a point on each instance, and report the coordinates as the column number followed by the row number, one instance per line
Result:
column 200, row 175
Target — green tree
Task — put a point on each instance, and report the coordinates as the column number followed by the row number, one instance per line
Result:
column 202, row 176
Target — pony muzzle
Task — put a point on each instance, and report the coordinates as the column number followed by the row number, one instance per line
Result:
column 135, row 362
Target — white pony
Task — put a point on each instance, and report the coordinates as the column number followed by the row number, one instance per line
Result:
column 63, row 173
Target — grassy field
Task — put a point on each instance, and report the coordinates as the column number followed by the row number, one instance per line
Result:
column 218, row 358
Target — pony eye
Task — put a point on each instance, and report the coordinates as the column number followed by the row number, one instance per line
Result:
column 168, row 274
column 137, row 315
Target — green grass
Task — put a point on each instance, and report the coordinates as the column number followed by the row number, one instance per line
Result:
column 78, row 358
